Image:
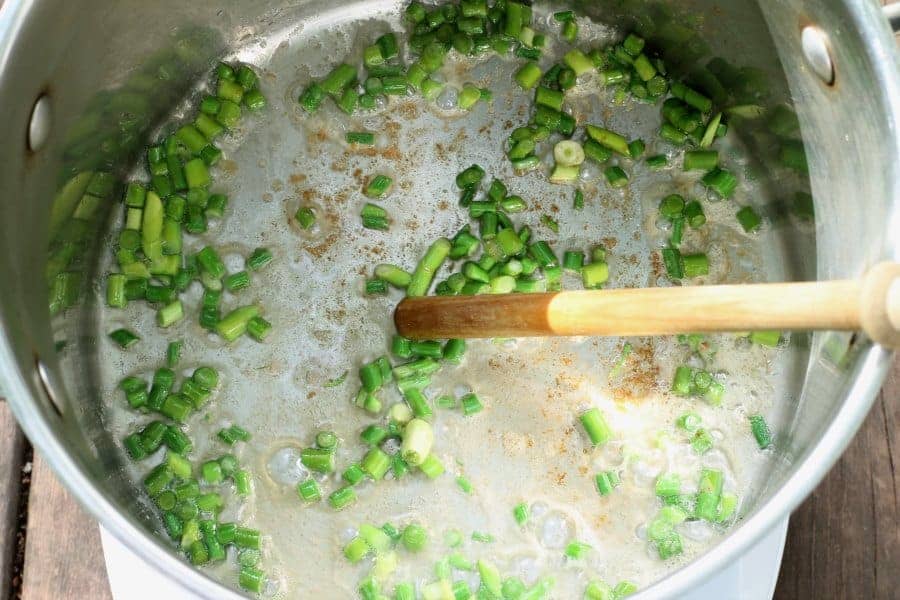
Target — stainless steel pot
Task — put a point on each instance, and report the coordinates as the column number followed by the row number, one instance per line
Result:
column 66, row 67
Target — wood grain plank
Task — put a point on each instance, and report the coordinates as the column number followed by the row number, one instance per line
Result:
column 12, row 445
column 63, row 556
column 844, row 541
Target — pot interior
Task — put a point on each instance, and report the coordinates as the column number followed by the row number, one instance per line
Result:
column 110, row 94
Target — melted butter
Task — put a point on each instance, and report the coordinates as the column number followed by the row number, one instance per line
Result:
column 526, row 445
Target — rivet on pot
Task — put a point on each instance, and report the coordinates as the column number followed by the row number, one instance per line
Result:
column 39, row 125
column 44, row 379
column 817, row 53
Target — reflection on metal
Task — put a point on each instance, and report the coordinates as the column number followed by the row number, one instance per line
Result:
column 815, row 49
column 892, row 13
column 39, row 125
column 44, row 378
column 105, row 140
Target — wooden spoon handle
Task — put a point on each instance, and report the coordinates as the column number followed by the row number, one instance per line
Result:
column 831, row 305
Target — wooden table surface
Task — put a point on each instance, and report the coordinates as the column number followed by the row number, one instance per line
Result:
column 843, row 542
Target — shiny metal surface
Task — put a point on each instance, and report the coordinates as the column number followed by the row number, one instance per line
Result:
column 815, row 49
column 849, row 131
column 39, row 126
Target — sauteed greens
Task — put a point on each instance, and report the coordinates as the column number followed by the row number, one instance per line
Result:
column 494, row 252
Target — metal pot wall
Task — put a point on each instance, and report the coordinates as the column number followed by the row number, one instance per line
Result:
column 66, row 67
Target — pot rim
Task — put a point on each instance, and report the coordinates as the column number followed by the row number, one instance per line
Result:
column 867, row 377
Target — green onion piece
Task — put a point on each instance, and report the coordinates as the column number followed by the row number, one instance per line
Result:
column 371, row 435
column 356, row 549
column 414, row 537
column 667, row 485
column 353, row 474
column 468, row 96
column 152, row 436
column 636, row 148
column 595, row 425
column 727, row 505
column 513, row 589
column 447, row 402
column 749, row 219
column 568, row 153
column 691, row 97
column 251, row 579
column 633, row 44
column 703, row 160
column 578, row 62
column 657, row 161
column 550, row 223
column 708, row 494
column 606, row 481
column 318, row 459
column 404, row 591
column 576, row 550
column 342, row 498
column 366, row 138
column 237, row 281
column 689, row 421
column 170, row 314
column 370, row 376
column 701, row 441
column 394, row 275
column 490, row 578
column 376, row 463
column 528, row 76
column 464, row 484
column 418, row 438
column 157, row 480
column 378, row 186
column 400, row 346
column 484, row 538
column 596, row 151
column 470, row 404
column 235, row 323
column 765, row 338
column 339, row 78
column 375, row 287
column 760, row 430
column 573, row 260
column 124, row 338
column 374, row 217
column 693, row 213
column 609, row 139
column 594, row 275
column 308, row 490
column 520, row 513
column 305, row 216
column 454, row 350
column 615, row 176
column 570, row 31
column 673, row 262
column 720, row 181
column 432, row 467
column 671, row 206
column 242, row 482
column 671, row 134
column 425, row 270
column 709, row 134
column 695, row 265
column 682, row 384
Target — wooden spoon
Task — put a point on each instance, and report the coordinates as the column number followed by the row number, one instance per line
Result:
column 870, row 304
